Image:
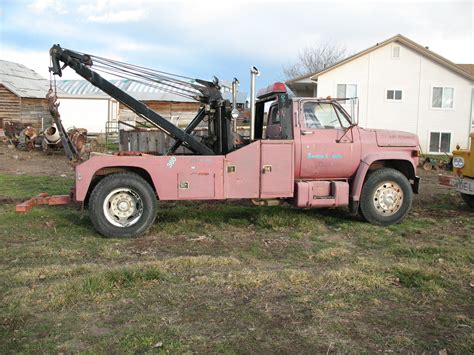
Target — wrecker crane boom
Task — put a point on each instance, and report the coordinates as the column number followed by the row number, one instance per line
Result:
column 208, row 93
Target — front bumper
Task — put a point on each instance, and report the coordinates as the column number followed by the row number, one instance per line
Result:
column 416, row 184
column 464, row 184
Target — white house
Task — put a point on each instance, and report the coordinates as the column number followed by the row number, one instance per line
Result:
column 405, row 86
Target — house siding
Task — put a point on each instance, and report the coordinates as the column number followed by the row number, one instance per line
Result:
column 10, row 105
column 28, row 111
column 89, row 113
column 185, row 110
column 34, row 112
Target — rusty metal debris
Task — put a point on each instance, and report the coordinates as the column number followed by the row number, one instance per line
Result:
column 431, row 163
column 26, row 140
column 43, row 199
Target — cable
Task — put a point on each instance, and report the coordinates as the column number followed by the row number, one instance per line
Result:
column 149, row 84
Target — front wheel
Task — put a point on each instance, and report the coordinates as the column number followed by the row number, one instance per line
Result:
column 122, row 205
column 386, row 197
column 469, row 199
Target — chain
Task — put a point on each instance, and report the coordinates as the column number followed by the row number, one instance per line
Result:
column 50, row 74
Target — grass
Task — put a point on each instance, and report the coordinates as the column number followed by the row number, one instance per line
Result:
column 233, row 278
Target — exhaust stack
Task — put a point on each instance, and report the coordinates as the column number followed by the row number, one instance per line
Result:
column 253, row 77
column 235, row 85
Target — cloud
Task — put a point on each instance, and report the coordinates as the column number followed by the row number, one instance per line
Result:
column 36, row 60
column 224, row 38
column 116, row 11
column 40, row 6
column 39, row 61
column 118, row 16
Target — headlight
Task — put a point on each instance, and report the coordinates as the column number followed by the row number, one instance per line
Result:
column 458, row 162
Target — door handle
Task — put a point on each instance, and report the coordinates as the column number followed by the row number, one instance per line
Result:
column 267, row 169
column 304, row 133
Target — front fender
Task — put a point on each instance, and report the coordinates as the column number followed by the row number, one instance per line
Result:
column 389, row 159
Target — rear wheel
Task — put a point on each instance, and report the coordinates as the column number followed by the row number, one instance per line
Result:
column 469, row 199
column 386, row 197
column 122, row 205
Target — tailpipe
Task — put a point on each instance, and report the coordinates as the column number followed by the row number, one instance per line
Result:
column 253, row 79
column 235, row 112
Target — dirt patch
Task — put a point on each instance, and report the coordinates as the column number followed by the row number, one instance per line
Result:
column 8, row 200
column 35, row 163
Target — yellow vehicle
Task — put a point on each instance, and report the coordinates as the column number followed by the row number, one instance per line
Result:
column 463, row 167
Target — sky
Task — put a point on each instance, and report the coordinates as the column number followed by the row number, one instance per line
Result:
column 202, row 38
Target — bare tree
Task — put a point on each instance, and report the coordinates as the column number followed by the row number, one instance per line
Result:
column 315, row 58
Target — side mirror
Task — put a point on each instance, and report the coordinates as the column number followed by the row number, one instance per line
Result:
column 355, row 111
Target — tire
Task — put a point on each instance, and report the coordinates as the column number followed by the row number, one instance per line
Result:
column 469, row 199
column 386, row 197
column 122, row 205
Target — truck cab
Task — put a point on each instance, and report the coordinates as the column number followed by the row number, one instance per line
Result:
column 334, row 157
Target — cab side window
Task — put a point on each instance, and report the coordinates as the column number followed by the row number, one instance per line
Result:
column 274, row 117
column 280, row 120
column 320, row 115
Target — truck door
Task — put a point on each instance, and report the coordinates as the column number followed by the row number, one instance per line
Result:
column 330, row 148
column 276, row 168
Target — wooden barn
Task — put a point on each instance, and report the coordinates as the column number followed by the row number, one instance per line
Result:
column 23, row 96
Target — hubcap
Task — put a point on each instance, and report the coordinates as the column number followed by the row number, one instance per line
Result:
column 388, row 198
column 123, row 207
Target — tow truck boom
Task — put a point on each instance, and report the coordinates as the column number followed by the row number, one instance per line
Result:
column 205, row 91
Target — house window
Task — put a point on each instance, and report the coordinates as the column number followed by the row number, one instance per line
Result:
column 442, row 97
column 396, row 52
column 346, row 91
column 440, row 142
column 394, row 95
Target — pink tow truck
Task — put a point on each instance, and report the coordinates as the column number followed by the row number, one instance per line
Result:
column 305, row 151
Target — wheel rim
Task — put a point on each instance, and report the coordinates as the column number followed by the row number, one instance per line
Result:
column 388, row 198
column 123, row 207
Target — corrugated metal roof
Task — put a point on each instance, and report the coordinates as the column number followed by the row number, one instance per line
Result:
column 22, row 81
column 138, row 90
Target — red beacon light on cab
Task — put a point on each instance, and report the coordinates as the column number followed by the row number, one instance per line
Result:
column 275, row 88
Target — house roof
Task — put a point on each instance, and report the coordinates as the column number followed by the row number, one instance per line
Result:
column 299, row 78
column 22, row 81
column 410, row 44
column 468, row 68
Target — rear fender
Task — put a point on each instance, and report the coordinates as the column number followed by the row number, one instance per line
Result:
column 89, row 173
